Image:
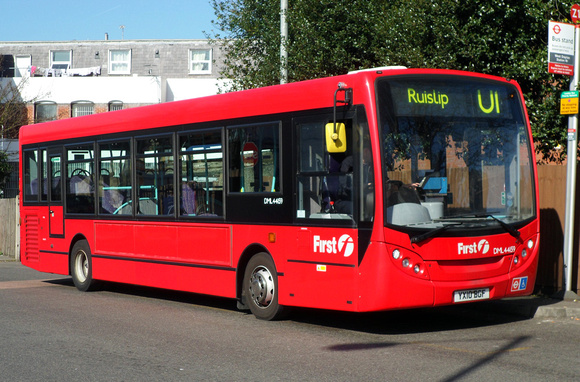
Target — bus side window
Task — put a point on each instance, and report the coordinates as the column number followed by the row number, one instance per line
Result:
column 80, row 182
column 254, row 158
column 154, row 186
column 115, row 178
column 325, row 180
column 31, row 170
column 201, row 174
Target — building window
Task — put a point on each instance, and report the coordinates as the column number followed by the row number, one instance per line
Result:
column 120, row 61
column 81, row 108
column 45, row 111
column 60, row 59
column 200, row 61
column 115, row 105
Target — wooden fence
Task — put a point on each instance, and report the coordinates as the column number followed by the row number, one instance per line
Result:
column 9, row 228
column 552, row 184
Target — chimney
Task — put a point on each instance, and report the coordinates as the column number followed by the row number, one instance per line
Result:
column 106, row 37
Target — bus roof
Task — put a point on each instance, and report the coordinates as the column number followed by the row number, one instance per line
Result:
column 304, row 95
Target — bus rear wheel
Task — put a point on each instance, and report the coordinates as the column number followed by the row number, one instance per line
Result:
column 261, row 287
column 81, row 266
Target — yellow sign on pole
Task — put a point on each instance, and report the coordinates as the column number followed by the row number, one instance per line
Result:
column 569, row 102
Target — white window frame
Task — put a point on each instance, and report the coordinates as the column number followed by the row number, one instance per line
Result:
column 39, row 105
column 196, row 62
column 80, row 108
column 116, row 105
column 125, row 63
column 54, row 62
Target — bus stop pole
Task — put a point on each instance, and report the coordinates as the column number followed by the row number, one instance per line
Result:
column 571, row 178
column 283, row 42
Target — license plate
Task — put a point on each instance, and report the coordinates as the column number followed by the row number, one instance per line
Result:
column 471, row 295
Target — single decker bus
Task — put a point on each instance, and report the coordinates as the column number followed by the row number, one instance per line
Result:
column 380, row 189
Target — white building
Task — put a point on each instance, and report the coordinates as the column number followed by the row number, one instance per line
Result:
column 67, row 79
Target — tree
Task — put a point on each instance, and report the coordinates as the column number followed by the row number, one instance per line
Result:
column 507, row 38
column 5, row 170
column 13, row 112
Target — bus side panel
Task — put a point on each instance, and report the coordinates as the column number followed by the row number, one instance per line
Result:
column 314, row 275
column 321, row 286
column 382, row 286
column 182, row 277
column 195, row 243
column 194, row 258
column 31, row 234
column 321, row 270
column 38, row 250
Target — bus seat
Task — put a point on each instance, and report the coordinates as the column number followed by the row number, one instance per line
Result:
column 112, row 200
column 187, row 200
column 407, row 213
column 147, row 206
column 168, row 205
column 34, row 187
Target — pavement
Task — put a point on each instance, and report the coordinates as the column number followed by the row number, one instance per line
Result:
column 4, row 258
column 561, row 306
column 564, row 306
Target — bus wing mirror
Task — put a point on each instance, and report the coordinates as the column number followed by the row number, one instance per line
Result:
column 335, row 137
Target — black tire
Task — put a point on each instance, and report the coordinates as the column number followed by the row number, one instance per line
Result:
column 81, row 267
column 260, row 288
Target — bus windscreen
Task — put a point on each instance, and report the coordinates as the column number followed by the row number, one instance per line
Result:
column 455, row 149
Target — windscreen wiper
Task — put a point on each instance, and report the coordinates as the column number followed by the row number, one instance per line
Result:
column 511, row 230
column 424, row 236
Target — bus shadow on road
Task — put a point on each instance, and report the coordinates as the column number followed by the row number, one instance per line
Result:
column 411, row 320
column 455, row 317
column 155, row 293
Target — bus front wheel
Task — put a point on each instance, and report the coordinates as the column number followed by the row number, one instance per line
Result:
column 81, row 266
column 261, row 287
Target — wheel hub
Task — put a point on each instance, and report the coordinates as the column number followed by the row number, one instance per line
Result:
column 262, row 287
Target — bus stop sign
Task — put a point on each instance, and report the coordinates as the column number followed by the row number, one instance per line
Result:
column 250, row 154
column 575, row 13
column 569, row 102
column 561, row 48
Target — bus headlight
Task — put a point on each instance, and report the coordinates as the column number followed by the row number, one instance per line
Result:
column 396, row 254
column 409, row 262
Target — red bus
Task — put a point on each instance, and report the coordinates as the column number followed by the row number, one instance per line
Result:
column 380, row 189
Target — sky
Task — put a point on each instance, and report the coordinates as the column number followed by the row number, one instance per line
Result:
column 81, row 20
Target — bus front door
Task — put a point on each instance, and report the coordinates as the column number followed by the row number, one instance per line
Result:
column 55, row 206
